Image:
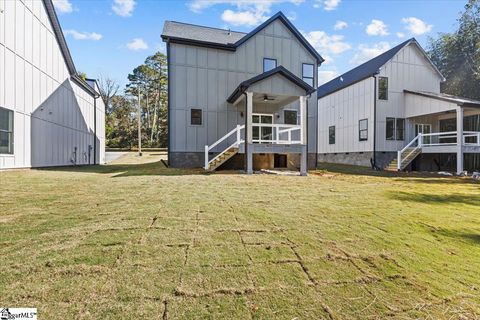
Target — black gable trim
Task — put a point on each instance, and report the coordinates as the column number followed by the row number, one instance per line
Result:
column 242, row 87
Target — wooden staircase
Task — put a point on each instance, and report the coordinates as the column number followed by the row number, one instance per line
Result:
column 411, row 154
column 217, row 162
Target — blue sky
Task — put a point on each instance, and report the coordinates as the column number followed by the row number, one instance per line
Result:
column 111, row 37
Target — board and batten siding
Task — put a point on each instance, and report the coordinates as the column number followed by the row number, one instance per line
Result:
column 407, row 70
column 343, row 109
column 205, row 77
column 52, row 114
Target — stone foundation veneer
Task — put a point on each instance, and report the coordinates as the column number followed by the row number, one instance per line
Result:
column 358, row 158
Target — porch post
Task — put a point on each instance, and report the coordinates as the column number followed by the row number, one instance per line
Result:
column 248, row 130
column 459, row 139
column 303, row 119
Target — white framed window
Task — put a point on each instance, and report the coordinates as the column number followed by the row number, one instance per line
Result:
column 269, row 64
column 395, row 129
column 6, row 131
column 308, row 73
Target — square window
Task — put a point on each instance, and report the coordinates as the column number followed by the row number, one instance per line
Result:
column 6, row 131
column 196, row 117
column 331, row 135
column 290, row 117
column 363, row 130
column 269, row 64
column 383, row 88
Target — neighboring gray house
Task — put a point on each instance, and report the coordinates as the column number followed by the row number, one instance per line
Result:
column 241, row 100
column 48, row 115
column 389, row 112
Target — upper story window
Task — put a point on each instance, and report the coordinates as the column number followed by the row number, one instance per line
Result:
column 331, row 135
column 307, row 73
column 6, row 131
column 196, row 117
column 289, row 117
column 382, row 88
column 269, row 64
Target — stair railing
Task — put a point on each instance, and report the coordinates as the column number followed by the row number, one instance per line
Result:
column 400, row 155
column 237, row 130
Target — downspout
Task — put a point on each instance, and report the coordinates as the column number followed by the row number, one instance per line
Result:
column 95, row 129
column 245, row 139
column 374, row 164
column 168, row 104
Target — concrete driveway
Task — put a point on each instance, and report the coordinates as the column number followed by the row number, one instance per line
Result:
column 112, row 156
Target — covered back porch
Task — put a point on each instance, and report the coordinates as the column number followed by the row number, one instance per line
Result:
column 273, row 107
column 441, row 124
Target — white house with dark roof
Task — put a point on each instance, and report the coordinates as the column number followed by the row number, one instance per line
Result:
column 241, row 100
column 48, row 115
column 389, row 113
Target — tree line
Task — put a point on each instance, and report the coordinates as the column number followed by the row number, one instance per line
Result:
column 147, row 85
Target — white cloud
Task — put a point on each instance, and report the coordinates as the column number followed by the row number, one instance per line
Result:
column 246, row 12
column 326, row 44
column 123, row 8
column 243, row 18
column 326, row 75
column 137, row 44
column 400, row 35
column 366, row 53
column 63, row 6
column 416, row 26
column 327, row 5
column 377, row 28
column 340, row 25
column 77, row 35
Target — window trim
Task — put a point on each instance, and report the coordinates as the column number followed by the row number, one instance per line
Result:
column 313, row 73
column 334, row 135
column 296, row 116
column 201, row 117
column 386, row 92
column 12, row 133
column 360, row 130
column 272, row 59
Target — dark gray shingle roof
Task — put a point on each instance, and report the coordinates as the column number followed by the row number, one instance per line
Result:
column 361, row 72
column 173, row 29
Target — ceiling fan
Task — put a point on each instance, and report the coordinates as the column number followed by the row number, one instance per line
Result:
column 266, row 98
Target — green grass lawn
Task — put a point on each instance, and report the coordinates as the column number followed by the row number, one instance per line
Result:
column 135, row 239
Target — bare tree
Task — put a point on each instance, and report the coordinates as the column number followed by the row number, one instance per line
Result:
column 108, row 89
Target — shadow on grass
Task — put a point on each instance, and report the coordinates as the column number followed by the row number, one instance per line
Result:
column 416, row 177
column 456, row 198
column 130, row 170
column 467, row 236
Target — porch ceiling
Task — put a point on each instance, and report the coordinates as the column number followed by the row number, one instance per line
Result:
column 278, row 82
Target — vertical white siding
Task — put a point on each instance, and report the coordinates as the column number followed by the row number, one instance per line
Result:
column 343, row 109
column 52, row 115
column 204, row 78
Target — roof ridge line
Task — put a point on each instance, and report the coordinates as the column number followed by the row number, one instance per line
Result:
column 202, row 26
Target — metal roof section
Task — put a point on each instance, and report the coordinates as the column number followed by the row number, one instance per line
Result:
column 242, row 87
column 63, row 46
column 462, row 101
column 368, row 69
column 225, row 39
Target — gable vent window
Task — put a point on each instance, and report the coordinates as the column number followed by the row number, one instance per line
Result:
column 6, row 131
column 196, row 117
column 269, row 64
column 382, row 88
column 307, row 73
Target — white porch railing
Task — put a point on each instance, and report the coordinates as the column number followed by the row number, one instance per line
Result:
column 280, row 133
column 422, row 140
column 237, row 132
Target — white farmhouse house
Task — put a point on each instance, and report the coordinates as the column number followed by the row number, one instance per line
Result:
column 389, row 113
column 48, row 115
